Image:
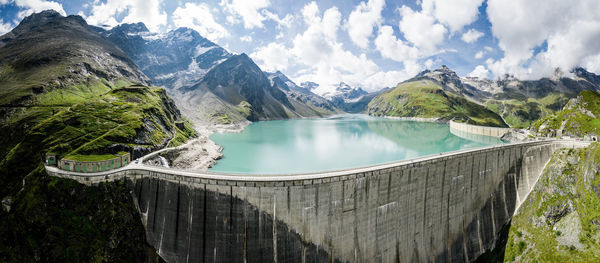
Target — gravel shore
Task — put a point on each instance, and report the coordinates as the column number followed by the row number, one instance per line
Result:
column 200, row 153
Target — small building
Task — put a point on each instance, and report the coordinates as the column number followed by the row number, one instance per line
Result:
column 51, row 159
column 94, row 163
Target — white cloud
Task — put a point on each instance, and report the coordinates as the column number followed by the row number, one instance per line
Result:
column 272, row 57
column 5, row 27
column 248, row 11
column 480, row 72
column 147, row 11
column 362, row 20
column 571, row 32
column 316, row 55
column 421, row 29
column 391, row 47
column 35, row 6
column 391, row 78
column 286, row 21
column 471, row 36
column 479, row 55
column 246, row 38
column 199, row 18
column 455, row 13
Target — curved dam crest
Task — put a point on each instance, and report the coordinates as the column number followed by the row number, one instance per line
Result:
column 445, row 208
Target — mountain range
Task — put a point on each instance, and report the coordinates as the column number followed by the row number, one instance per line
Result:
column 212, row 85
column 209, row 83
column 518, row 102
column 69, row 88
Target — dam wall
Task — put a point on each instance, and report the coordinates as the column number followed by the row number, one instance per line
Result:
column 445, row 208
column 479, row 130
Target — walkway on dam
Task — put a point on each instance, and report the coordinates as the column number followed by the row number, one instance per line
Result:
column 139, row 166
column 449, row 207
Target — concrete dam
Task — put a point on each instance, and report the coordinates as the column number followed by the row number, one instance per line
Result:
column 444, row 208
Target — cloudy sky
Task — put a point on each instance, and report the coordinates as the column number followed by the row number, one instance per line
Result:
column 371, row 43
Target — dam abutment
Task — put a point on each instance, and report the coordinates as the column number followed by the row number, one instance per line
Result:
column 447, row 208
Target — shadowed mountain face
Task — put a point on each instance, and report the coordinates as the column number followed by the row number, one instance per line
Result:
column 47, row 50
column 238, row 82
column 303, row 101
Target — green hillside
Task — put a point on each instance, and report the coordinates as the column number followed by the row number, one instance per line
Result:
column 58, row 219
column 558, row 222
column 521, row 112
column 579, row 117
column 426, row 99
column 65, row 90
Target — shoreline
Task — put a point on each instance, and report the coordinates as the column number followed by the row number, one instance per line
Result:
column 419, row 119
column 200, row 153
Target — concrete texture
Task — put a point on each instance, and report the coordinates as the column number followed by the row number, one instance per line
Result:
column 446, row 208
column 479, row 130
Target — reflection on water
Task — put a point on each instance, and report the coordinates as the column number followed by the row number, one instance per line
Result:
column 341, row 142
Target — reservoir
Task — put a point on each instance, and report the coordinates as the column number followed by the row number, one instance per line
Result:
column 335, row 143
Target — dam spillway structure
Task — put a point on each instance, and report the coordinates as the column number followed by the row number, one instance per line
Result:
column 444, row 208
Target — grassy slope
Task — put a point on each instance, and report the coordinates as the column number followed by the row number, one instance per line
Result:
column 577, row 122
column 80, row 119
column 559, row 221
column 521, row 113
column 426, row 99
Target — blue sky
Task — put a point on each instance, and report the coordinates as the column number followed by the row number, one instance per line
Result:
column 371, row 43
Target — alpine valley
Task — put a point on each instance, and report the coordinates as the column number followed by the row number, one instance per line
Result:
column 72, row 89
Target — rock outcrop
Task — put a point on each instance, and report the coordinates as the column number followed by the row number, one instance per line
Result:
column 560, row 219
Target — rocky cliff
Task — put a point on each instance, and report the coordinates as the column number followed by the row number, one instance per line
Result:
column 560, row 220
column 579, row 118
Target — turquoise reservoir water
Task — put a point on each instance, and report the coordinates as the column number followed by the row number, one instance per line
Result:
column 341, row 142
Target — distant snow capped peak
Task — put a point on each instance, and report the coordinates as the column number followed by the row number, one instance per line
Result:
column 342, row 91
column 309, row 85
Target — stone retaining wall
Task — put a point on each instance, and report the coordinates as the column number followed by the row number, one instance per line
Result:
column 94, row 166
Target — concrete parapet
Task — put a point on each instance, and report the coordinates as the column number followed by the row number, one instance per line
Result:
column 479, row 130
column 444, row 208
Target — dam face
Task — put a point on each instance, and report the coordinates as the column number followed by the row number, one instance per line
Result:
column 449, row 208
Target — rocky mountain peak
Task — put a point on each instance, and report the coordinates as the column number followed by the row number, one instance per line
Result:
column 589, row 76
column 309, row 85
column 131, row 28
column 44, row 15
column 38, row 19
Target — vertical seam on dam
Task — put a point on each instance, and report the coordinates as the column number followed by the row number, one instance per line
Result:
column 428, row 212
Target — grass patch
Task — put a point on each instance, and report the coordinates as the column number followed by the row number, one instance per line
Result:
column 532, row 239
column 90, row 157
column 426, row 99
column 575, row 116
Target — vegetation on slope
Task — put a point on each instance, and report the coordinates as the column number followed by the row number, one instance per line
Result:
column 522, row 112
column 426, row 99
column 66, row 90
column 53, row 219
column 578, row 118
column 560, row 219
